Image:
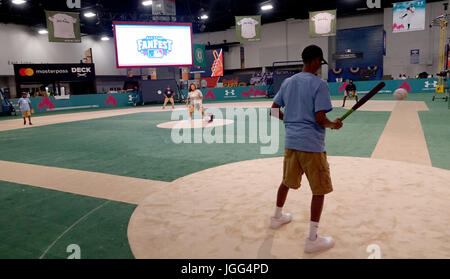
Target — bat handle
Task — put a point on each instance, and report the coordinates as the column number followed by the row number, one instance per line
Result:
column 346, row 115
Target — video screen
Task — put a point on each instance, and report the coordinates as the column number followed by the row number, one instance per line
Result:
column 140, row 44
column 214, row 64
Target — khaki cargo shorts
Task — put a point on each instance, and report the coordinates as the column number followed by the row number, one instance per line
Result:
column 314, row 165
column 26, row 113
column 194, row 107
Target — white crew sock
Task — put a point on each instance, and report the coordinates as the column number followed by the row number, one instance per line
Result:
column 313, row 227
column 278, row 212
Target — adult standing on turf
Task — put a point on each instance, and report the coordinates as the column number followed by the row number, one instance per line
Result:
column 350, row 92
column 195, row 96
column 25, row 108
column 306, row 100
column 168, row 94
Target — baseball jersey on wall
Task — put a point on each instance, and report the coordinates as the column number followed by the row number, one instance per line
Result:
column 63, row 27
column 248, row 28
column 322, row 24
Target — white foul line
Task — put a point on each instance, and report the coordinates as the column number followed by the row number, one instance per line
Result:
column 71, row 227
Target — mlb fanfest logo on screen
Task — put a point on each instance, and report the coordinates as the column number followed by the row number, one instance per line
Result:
column 154, row 46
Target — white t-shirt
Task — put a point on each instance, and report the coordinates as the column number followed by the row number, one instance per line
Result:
column 322, row 22
column 63, row 26
column 248, row 27
column 410, row 13
column 195, row 97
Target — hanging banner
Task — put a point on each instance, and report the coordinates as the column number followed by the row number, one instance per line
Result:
column 164, row 7
column 415, row 56
column 199, row 56
column 73, row 4
column 409, row 16
column 88, row 56
column 447, row 47
column 248, row 28
column 63, row 27
column 152, row 73
column 242, row 58
column 322, row 24
column 185, row 73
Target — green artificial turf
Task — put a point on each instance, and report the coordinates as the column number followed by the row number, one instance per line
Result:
column 435, row 125
column 33, row 218
column 132, row 145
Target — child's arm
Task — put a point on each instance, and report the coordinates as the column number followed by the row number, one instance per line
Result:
column 322, row 120
column 276, row 112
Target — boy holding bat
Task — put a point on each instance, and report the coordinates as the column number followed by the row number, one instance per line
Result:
column 306, row 100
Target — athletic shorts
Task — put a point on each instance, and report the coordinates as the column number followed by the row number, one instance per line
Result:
column 193, row 107
column 314, row 165
column 26, row 113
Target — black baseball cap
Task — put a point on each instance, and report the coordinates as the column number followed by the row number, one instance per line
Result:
column 312, row 52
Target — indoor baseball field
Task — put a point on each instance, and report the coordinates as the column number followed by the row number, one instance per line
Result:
column 114, row 183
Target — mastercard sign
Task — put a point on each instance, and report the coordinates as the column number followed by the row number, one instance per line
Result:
column 47, row 73
column 26, row 72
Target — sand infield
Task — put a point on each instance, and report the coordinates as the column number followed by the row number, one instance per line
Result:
column 224, row 212
column 403, row 138
column 93, row 184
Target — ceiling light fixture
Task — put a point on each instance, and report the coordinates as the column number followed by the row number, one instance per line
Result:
column 43, row 31
column 266, row 6
column 105, row 38
column 204, row 17
column 147, row 3
column 18, row 2
column 89, row 14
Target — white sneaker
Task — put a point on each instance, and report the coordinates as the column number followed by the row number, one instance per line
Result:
column 320, row 244
column 275, row 223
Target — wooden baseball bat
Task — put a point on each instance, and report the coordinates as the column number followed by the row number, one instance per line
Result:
column 364, row 99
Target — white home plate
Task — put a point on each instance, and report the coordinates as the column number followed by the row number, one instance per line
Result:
column 196, row 123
